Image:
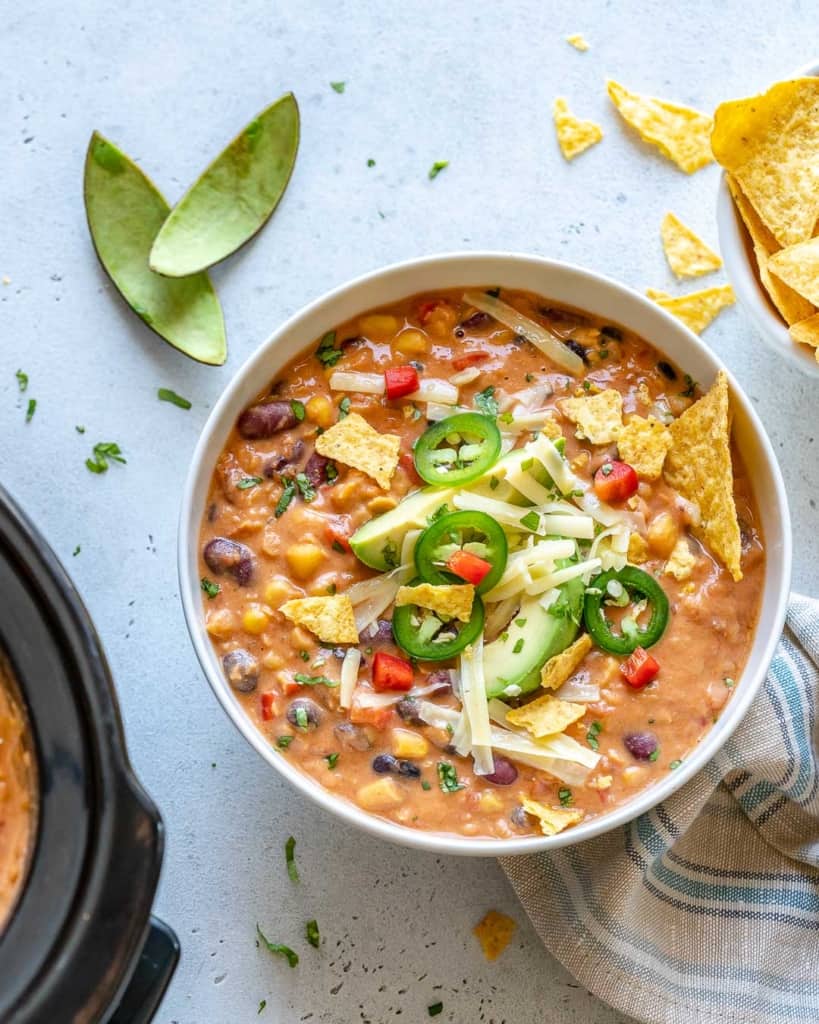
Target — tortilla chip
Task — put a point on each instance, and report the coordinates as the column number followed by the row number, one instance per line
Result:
column 681, row 561
column 573, row 134
column 798, row 267
column 698, row 466
column 681, row 134
column 806, row 332
column 760, row 235
column 354, row 442
column 687, row 254
column 697, row 309
column 655, row 294
column 598, row 417
column 770, row 144
column 546, row 715
column 643, row 444
column 578, row 42
column 330, row 618
column 637, row 549
column 494, row 932
column 450, row 600
column 558, row 669
column 552, row 820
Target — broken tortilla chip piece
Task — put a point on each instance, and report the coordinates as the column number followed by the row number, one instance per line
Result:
column 353, row 442
column 687, row 254
column 643, row 444
column 330, row 618
column 696, row 309
column 578, row 42
column 681, row 561
column 558, row 669
column 452, row 600
column 573, row 134
column 680, row 133
column 698, row 466
column 637, row 549
column 599, row 418
column 494, row 932
column 552, row 820
column 770, row 144
column 546, row 715
column 798, row 267
column 806, row 332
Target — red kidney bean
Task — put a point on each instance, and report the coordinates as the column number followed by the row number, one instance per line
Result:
column 265, row 420
column 223, row 555
column 505, row 772
column 408, row 711
column 276, row 463
column 641, row 744
column 241, row 669
column 352, row 736
column 316, row 469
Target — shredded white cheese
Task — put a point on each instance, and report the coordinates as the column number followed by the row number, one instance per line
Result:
column 349, row 676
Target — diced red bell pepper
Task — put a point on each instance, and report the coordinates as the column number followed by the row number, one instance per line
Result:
column 378, row 718
column 391, row 673
column 639, row 669
column 466, row 359
column 469, row 567
column 268, row 705
column 615, row 481
column 401, row 381
column 338, row 533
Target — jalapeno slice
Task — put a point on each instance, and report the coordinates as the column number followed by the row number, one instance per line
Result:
column 457, row 449
column 628, row 580
column 473, row 532
column 425, row 636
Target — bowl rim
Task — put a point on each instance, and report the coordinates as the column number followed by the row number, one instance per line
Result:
column 210, row 443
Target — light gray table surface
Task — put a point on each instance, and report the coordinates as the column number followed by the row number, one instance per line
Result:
column 467, row 82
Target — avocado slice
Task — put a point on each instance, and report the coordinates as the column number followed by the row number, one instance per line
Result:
column 544, row 634
column 378, row 542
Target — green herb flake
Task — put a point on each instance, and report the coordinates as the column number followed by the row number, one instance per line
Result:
column 304, row 680
column 102, row 453
column 209, row 587
column 344, row 407
column 290, row 859
column 339, row 547
column 371, row 162
column 485, row 401
column 565, row 797
column 79, row 429
column 448, row 777
column 690, row 386
column 302, row 721
column 426, row 786
column 674, row 765
column 298, row 409
column 22, row 380
column 308, row 491
column 332, row 760
column 262, row 1005
column 331, row 590
column 529, row 378
column 286, row 497
column 654, row 754
column 531, row 521
column 439, row 512
column 518, row 646
column 729, row 682
column 520, row 623
column 166, row 395
column 31, row 409
column 283, row 742
column 390, row 554
column 327, row 353
column 592, row 733
column 247, row 482
column 304, row 655
column 435, row 1009
column 493, row 483
column 311, row 932
column 278, row 948
column 437, row 167
column 331, row 472
column 338, row 87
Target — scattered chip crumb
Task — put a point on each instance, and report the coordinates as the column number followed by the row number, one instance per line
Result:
column 600, row 782
column 687, row 254
column 573, row 134
column 599, row 418
column 552, row 819
column 578, row 42
column 330, row 618
column 643, row 444
column 546, row 715
column 558, row 669
column 451, row 600
column 696, row 309
column 355, row 443
column 494, row 932
column 681, row 561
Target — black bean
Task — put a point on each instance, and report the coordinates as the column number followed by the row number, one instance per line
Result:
column 241, row 669
column 408, row 711
column 266, row 419
column 612, row 332
column 351, row 342
column 667, row 370
column 409, row 770
column 578, row 349
column 383, row 634
column 641, row 744
column 312, row 713
column 478, row 319
column 223, row 555
column 441, row 680
column 383, row 763
column 352, row 736
column 279, row 461
column 505, row 772
column 316, row 469
column 519, row 817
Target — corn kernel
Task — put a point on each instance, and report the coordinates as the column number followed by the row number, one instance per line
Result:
column 379, row 326
column 319, row 410
column 491, row 803
column 220, row 622
column 408, row 744
column 662, row 534
column 381, row 503
column 304, row 559
column 255, row 619
column 411, row 343
column 380, row 795
column 279, row 590
column 633, row 775
column 272, row 660
column 300, row 638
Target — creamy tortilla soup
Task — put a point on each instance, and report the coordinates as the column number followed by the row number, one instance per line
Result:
column 17, row 796
column 482, row 565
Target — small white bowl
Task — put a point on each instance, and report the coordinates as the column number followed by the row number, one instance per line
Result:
column 561, row 283
column 740, row 268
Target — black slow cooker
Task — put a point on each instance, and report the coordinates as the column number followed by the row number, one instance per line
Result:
column 80, row 945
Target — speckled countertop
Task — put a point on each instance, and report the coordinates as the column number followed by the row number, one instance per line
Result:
column 467, row 82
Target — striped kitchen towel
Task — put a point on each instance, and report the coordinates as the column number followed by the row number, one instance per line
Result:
column 706, row 909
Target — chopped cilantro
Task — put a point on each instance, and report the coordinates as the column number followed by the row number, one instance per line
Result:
column 565, row 797
column 520, row 623
column 485, row 401
column 209, row 587
column 654, row 754
column 604, row 353
column 103, row 451
column 338, row 86
column 247, row 482
column 304, row 655
column 31, row 409
column 442, row 510
column 166, row 395
column 286, row 497
column 435, row 1009
column 327, row 353
column 278, row 948
column 448, row 777
column 504, row 636
column 531, row 521
column 290, row 859
column 332, row 760
column 302, row 721
column 343, row 407
column 436, row 169
column 425, row 785
column 79, row 429
column 729, row 682
column 690, row 386
column 262, row 1005
column 518, row 646
column 331, row 590
column 300, row 677
column 371, row 162
column 308, row 491
column 298, row 409
column 493, row 483
column 339, row 547
column 592, row 733
column 284, row 742
column 312, row 933
column 22, row 380
column 675, row 764
column 331, row 472
column 529, row 378
column 587, row 385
